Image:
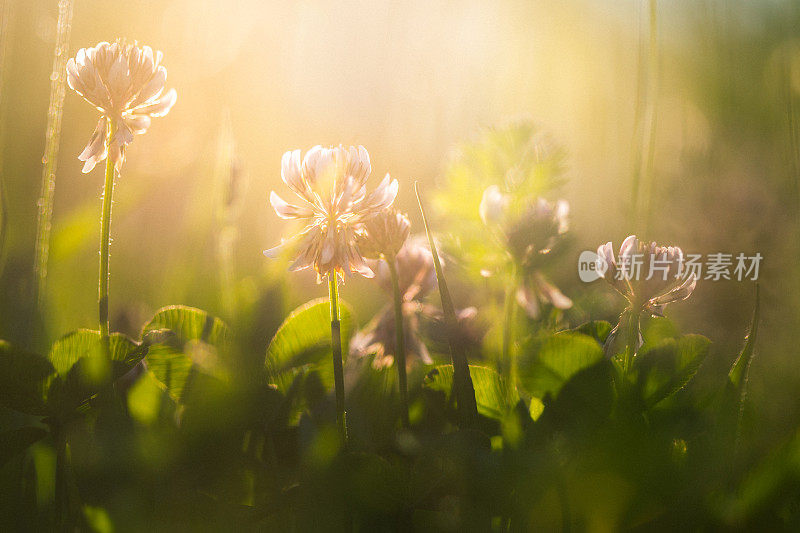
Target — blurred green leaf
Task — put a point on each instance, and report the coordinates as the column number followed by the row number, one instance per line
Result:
column 81, row 366
column 17, row 440
column 558, row 358
column 189, row 323
column 658, row 329
column 493, row 395
column 667, row 367
column 738, row 373
column 22, row 376
column 585, row 401
column 73, row 346
column 736, row 388
column 597, row 329
column 305, row 337
column 181, row 338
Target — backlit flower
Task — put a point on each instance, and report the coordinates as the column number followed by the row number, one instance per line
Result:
column 331, row 186
column 647, row 275
column 379, row 337
column 384, row 234
column 416, row 278
column 528, row 233
column 416, row 275
column 126, row 84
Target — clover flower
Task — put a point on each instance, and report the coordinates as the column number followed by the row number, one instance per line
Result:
column 384, row 234
column 379, row 337
column 416, row 278
column 331, row 186
column 415, row 271
column 649, row 276
column 528, row 233
column 126, row 84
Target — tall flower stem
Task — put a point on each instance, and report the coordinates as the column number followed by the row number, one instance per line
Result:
column 336, row 347
column 509, row 361
column 400, row 339
column 105, row 241
column 630, row 320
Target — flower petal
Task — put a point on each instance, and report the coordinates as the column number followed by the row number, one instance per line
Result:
column 137, row 123
column 286, row 210
column 160, row 107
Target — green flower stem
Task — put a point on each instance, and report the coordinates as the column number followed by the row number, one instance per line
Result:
column 631, row 323
column 105, row 241
column 336, row 345
column 63, row 504
column 509, row 361
column 400, row 339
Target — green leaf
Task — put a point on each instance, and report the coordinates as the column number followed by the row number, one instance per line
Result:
column 17, row 440
column 81, row 367
column 659, row 329
column 493, row 395
column 188, row 324
column 305, row 337
column 22, row 376
column 738, row 373
column 182, row 339
column 669, row 366
column 597, row 329
column 559, row 358
column 73, row 346
column 585, row 401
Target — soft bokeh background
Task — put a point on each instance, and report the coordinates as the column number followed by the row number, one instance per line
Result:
column 410, row 80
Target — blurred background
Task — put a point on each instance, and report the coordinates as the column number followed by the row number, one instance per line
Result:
column 707, row 119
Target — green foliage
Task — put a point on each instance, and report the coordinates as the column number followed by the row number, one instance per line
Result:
column 82, row 369
column 667, row 367
column 183, row 339
column 493, row 395
column 738, row 373
column 22, row 378
column 597, row 329
column 303, row 342
column 464, row 389
column 518, row 158
column 556, row 359
column 584, row 402
column 15, row 441
column 84, row 343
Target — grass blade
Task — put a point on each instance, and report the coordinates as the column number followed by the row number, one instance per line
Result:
column 5, row 15
column 462, row 382
column 738, row 375
column 58, row 83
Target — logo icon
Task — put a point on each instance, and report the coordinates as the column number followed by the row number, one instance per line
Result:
column 591, row 266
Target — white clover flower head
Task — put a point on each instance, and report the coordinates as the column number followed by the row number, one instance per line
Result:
column 126, row 84
column 415, row 271
column 384, row 234
column 649, row 276
column 331, row 186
